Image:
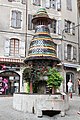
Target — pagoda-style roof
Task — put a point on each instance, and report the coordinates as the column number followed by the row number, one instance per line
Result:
column 42, row 46
column 41, row 15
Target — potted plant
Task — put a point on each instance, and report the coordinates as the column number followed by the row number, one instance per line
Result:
column 54, row 79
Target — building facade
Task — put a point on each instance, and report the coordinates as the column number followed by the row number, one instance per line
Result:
column 64, row 32
column 17, row 30
column 12, row 44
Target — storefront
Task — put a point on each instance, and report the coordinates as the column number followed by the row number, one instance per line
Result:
column 71, row 72
column 9, row 78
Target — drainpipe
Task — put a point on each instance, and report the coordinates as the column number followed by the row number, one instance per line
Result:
column 26, row 31
column 78, row 36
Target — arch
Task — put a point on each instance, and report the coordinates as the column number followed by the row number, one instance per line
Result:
column 10, row 81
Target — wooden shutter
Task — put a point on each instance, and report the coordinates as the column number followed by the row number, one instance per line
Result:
column 29, row 22
column 23, row 1
column 66, row 26
column 54, row 26
column 6, row 47
column 74, row 53
column 59, row 51
column 36, row 2
column 69, row 4
column 73, row 28
column 65, row 51
column 69, row 51
column 22, row 49
column 58, row 5
column 18, row 19
column 47, row 4
column 31, row 1
column 13, row 19
column 58, row 28
column 53, row 4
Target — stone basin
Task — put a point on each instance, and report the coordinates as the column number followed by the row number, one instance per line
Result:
column 36, row 103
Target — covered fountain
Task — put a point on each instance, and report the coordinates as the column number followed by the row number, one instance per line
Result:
column 41, row 56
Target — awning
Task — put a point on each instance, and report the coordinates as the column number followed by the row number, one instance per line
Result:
column 76, row 66
column 11, row 60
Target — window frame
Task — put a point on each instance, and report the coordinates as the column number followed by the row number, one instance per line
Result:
column 37, row 2
column 14, row 47
column 69, row 5
column 16, row 19
column 69, row 51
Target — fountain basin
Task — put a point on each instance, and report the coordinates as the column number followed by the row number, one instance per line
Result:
column 36, row 103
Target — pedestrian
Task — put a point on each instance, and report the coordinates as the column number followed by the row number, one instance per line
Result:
column 70, row 84
column 79, row 86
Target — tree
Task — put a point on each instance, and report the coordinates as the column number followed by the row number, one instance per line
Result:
column 54, row 79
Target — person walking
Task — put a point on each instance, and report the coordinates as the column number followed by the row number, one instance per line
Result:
column 70, row 84
column 79, row 86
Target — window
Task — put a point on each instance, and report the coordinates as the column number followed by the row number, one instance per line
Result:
column 31, row 26
column 69, row 51
column 69, row 27
column 23, row 1
column 14, row 47
column 16, row 19
column 36, row 2
column 69, row 4
column 73, row 28
column 74, row 53
column 59, row 51
column 53, row 26
column 59, row 27
column 50, row 4
column 58, row 5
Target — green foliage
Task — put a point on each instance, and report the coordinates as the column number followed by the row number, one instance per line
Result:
column 54, row 78
column 28, row 87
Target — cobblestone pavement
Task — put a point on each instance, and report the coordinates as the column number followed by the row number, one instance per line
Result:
column 8, row 113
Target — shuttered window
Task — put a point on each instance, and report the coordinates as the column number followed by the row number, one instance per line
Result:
column 16, row 19
column 73, row 28
column 66, row 28
column 50, row 4
column 14, row 47
column 23, row 1
column 53, row 4
column 59, row 51
column 7, row 47
column 59, row 27
column 69, row 27
column 74, row 53
column 52, row 26
column 47, row 4
column 31, row 26
column 58, row 5
column 22, row 48
column 69, row 4
column 65, row 51
column 36, row 2
column 69, row 52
